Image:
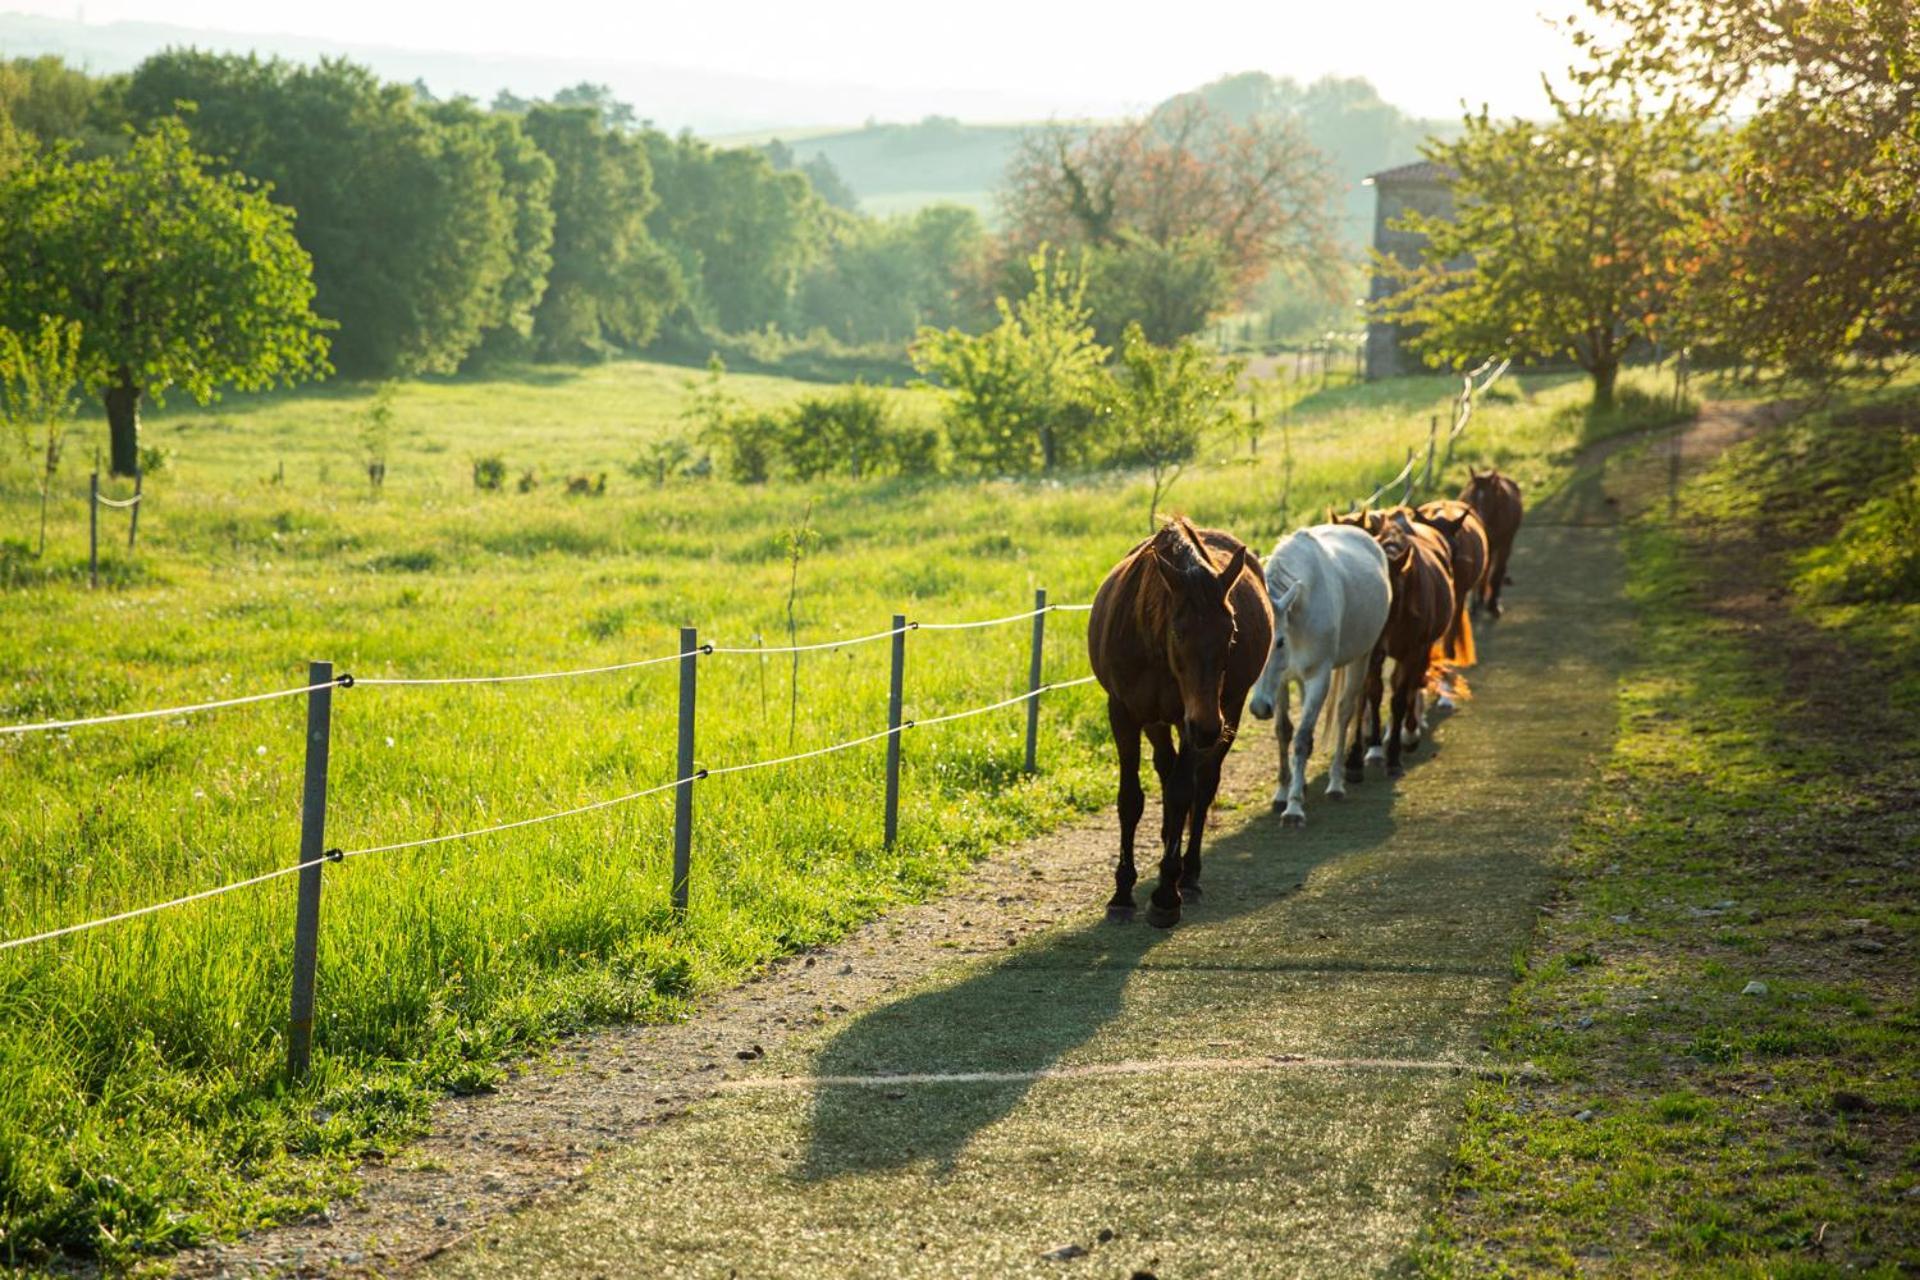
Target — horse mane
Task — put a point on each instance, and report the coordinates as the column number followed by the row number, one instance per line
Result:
column 1177, row 545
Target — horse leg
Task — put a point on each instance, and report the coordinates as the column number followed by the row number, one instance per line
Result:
column 1402, row 703
column 1282, row 734
column 1133, row 802
column 1313, row 696
column 1497, row 578
column 1176, row 769
column 1348, row 685
column 1206, row 786
column 1376, row 690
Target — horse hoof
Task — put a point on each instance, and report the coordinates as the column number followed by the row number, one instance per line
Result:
column 1396, row 771
column 1356, row 775
column 1162, row 917
column 1190, row 891
column 1336, row 795
column 1293, row 819
column 1119, row 915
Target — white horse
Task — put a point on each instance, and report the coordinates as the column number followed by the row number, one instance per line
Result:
column 1330, row 594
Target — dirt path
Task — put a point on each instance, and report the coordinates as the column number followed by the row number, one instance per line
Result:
column 991, row 1081
column 1268, row 1090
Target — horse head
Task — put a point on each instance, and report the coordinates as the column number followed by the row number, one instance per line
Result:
column 1199, row 623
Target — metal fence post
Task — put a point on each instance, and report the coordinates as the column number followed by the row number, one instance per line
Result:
column 313, row 839
column 1033, row 676
column 139, row 490
column 683, row 770
column 896, row 688
column 93, row 531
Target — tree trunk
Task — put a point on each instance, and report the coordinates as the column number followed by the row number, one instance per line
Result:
column 1605, row 374
column 123, row 422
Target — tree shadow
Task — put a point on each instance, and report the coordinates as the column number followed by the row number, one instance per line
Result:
column 1030, row 1009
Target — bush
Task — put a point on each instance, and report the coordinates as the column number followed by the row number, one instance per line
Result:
column 749, row 443
column 843, row 432
column 489, row 472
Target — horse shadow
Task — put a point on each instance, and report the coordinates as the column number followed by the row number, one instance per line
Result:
column 1028, row 1010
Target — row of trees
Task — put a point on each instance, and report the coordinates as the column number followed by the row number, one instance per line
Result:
column 1742, row 181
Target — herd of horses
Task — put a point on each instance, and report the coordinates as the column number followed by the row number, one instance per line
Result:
column 1187, row 625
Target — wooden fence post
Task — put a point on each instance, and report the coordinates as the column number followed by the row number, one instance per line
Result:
column 683, row 770
column 313, row 839
column 1033, row 677
column 139, row 490
column 93, row 531
column 896, row 690
column 1433, row 441
column 1406, row 494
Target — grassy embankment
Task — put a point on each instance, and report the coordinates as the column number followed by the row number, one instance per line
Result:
column 143, row 1099
column 1725, row 1009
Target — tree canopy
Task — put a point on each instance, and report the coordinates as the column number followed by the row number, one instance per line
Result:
column 1563, row 239
column 179, row 276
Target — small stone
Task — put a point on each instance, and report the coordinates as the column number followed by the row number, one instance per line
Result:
column 1065, row 1252
column 1870, row 946
column 846, row 968
column 1621, row 919
column 1585, row 1116
column 440, row 1220
column 1585, row 1022
column 1754, row 988
column 1106, row 1234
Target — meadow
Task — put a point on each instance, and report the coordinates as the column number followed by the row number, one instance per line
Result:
column 143, row 1101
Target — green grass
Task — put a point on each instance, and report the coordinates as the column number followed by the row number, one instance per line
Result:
column 142, row 1102
column 1753, row 826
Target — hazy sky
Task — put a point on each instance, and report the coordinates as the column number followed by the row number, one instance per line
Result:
column 1031, row 57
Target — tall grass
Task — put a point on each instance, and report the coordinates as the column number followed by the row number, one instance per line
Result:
column 142, row 1102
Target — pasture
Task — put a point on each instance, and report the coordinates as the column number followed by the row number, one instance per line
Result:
column 140, row 1065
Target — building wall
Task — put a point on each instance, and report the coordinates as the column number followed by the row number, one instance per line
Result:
column 1387, row 354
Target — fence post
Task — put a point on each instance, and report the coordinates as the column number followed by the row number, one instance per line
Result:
column 1033, row 676
column 683, row 770
column 139, row 489
column 313, row 839
column 1433, row 438
column 1406, row 494
column 93, row 531
column 896, row 689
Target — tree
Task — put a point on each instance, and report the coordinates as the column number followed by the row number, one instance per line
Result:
column 406, row 218
column 1165, row 402
column 526, row 191
column 40, row 385
column 742, row 232
column 610, row 283
column 1562, row 241
column 178, row 276
column 881, row 280
column 1254, row 192
column 45, row 99
column 1811, row 254
column 1028, row 391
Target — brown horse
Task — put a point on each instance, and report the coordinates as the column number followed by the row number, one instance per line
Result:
column 1467, row 543
column 1420, row 572
column 1497, row 499
column 1179, row 632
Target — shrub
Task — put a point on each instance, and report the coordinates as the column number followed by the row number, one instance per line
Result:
column 749, row 443
column 489, row 472
column 841, row 432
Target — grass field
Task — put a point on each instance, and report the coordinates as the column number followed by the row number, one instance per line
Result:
column 140, row 1065
column 1722, row 1013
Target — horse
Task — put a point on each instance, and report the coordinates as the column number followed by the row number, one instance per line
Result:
column 1179, row 631
column 1497, row 500
column 1467, row 544
column 1330, row 595
column 1419, row 566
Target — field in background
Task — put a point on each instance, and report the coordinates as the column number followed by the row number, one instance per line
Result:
column 140, row 1065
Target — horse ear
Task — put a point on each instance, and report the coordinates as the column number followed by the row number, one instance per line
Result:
column 1168, row 574
column 1228, row 576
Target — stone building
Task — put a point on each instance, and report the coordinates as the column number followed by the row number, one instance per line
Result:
column 1424, row 187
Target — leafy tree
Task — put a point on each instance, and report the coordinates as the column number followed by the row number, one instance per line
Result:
column 1811, row 253
column 46, row 100
column 180, row 277
column 1166, row 400
column 40, row 382
column 615, row 115
column 1254, row 192
column 1562, row 240
column 742, row 231
column 611, row 283
column 526, row 191
column 407, row 219
column 881, row 280
column 1028, row 391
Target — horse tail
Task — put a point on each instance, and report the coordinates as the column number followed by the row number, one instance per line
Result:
column 1331, row 708
column 1459, row 647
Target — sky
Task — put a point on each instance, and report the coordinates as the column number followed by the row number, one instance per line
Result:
column 1006, row 59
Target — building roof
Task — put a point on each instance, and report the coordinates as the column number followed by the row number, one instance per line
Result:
column 1420, row 171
